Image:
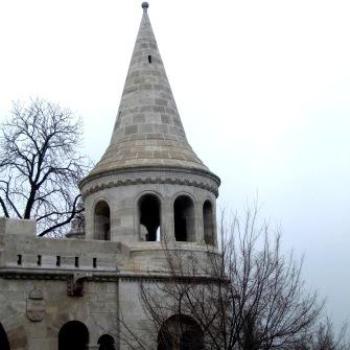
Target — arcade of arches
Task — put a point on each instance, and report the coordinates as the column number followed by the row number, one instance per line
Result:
column 149, row 214
column 179, row 332
column 74, row 335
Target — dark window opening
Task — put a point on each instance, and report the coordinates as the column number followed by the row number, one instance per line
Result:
column 4, row 343
column 208, row 223
column 149, row 213
column 74, row 335
column 76, row 261
column 106, row 342
column 19, row 259
column 102, row 221
column 58, row 261
column 149, row 59
column 184, row 219
column 94, row 263
column 38, row 262
column 180, row 332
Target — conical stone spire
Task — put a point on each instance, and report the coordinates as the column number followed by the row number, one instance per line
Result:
column 148, row 131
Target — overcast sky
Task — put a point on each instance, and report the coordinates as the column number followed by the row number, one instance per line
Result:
column 263, row 90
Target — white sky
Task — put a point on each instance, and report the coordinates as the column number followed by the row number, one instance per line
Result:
column 263, row 89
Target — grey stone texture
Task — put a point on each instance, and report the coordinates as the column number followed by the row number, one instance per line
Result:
column 22, row 227
column 93, row 276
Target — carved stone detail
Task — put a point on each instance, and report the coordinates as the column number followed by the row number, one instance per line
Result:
column 75, row 284
column 152, row 180
column 53, row 276
column 36, row 306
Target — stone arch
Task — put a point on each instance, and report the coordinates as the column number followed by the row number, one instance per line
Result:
column 208, row 223
column 14, row 329
column 180, row 332
column 184, row 218
column 149, row 214
column 102, row 221
column 73, row 335
column 106, row 342
column 4, row 342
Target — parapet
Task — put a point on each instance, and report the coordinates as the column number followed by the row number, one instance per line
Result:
column 17, row 226
column 42, row 255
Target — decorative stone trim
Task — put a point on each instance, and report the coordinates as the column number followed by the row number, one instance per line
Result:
column 153, row 169
column 14, row 274
column 169, row 278
column 107, row 277
column 150, row 175
column 152, row 180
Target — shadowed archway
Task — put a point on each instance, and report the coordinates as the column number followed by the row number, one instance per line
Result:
column 180, row 332
column 106, row 342
column 102, row 221
column 73, row 335
column 184, row 219
column 149, row 212
column 4, row 343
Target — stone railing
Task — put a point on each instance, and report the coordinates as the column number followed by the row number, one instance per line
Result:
column 63, row 262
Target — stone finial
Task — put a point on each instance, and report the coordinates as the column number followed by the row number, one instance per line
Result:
column 145, row 6
column 77, row 229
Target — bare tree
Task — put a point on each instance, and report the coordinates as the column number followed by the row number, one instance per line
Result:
column 324, row 337
column 249, row 297
column 40, row 165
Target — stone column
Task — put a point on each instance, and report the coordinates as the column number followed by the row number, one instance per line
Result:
column 167, row 220
column 199, row 229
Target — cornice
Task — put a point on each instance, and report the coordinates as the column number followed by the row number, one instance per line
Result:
column 152, row 175
column 170, row 278
column 62, row 275
column 101, row 277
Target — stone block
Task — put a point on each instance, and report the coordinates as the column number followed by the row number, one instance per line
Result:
column 68, row 261
column 17, row 226
column 132, row 129
column 49, row 261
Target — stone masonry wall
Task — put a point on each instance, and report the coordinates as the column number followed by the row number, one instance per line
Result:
column 97, row 309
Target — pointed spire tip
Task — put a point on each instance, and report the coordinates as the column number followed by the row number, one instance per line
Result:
column 145, row 6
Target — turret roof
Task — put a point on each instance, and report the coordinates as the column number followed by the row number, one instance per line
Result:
column 148, row 131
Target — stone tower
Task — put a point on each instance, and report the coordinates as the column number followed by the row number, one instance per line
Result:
column 149, row 183
column 148, row 187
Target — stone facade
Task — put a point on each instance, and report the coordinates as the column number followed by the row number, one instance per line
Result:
column 148, row 187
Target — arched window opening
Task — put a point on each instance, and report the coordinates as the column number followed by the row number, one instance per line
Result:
column 106, row 342
column 102, row 221
column 149, row 213
column 4, row 343
column 73, row 335
column 208, row 223
column 184, row 219
column 180, row 333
